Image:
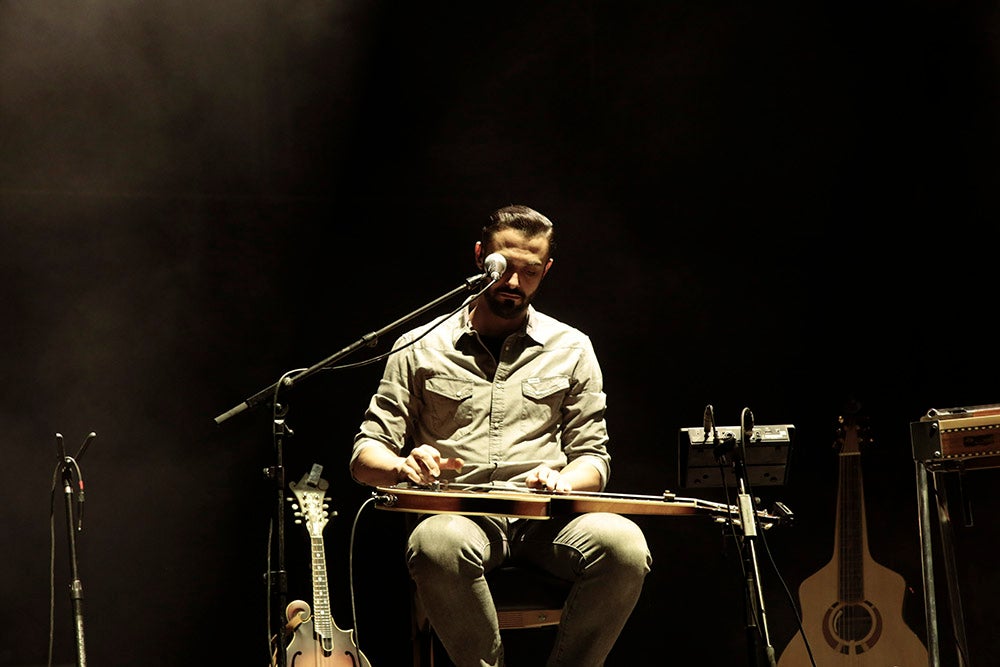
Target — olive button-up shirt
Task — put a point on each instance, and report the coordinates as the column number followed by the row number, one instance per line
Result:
column 542, row 402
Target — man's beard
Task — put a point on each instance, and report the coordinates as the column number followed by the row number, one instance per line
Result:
column 505, row 307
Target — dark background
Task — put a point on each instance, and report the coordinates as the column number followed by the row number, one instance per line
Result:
column 771, row 205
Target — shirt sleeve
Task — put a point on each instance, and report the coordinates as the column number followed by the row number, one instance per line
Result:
column 388, row 415
column 584, row 432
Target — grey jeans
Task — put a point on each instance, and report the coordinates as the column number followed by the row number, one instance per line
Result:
column 605, row 555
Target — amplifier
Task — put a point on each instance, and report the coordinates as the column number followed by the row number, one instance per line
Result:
column 958, row 438
column 767, row 453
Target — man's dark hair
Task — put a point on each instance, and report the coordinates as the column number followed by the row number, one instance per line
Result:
column 522, row 218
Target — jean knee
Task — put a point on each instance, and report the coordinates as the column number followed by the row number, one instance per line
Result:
column 625, row 544
column 446, row 545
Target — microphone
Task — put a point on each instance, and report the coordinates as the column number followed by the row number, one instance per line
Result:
column 86, row 443
column 495, row 265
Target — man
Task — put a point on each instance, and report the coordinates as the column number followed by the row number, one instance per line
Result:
column 501, row 393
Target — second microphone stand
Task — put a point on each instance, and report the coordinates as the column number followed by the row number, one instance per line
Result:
column 68, row 466
column 760, row 650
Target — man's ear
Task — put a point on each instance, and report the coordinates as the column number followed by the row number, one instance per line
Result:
column 548, row 265
column 479, row 255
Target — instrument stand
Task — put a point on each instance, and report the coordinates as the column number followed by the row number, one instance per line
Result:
column 68, row 466
column 759, row 648
column 940, row 492
column 277, row 576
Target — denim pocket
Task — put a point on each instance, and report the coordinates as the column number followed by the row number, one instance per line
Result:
column 544, row 396
column 448, row 402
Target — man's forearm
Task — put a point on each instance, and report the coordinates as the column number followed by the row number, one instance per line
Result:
column 583, row 475
column 375, row 465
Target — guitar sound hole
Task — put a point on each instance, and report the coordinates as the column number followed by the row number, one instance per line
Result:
column 853, row 623
column 852, row 628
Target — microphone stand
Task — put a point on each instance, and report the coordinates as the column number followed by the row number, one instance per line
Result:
column 67, row 466
column 277, row 577
column 760, row 650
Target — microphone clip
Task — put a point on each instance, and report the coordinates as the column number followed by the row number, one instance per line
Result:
column 476, row 282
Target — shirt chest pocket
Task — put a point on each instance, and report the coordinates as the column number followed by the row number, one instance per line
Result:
column 544, row 396
column 449, row 404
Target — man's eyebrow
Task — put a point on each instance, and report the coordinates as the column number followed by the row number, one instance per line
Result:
column 529, row 265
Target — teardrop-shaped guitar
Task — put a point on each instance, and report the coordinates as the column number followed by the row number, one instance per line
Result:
column 852, row 609
column 316, row 640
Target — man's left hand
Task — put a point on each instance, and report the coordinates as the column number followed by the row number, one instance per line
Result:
column 544, row 477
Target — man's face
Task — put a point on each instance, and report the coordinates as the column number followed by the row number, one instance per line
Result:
column 527, row 263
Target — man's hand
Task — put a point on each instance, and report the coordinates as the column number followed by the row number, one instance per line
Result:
column 424, row 465
column 544, row 477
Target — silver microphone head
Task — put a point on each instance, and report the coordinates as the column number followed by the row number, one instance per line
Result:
column 495, row 265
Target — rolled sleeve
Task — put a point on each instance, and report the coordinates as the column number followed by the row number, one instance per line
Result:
column 585, row 433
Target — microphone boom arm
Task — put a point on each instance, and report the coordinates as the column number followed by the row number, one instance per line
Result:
column 468, row 285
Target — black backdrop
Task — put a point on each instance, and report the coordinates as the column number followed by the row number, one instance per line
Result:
column 768, row 205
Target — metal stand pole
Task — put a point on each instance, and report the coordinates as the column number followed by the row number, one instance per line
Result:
column 951, row 572
column 927, row 566
column 278, row 576
column 68, row 466
column 761, row 650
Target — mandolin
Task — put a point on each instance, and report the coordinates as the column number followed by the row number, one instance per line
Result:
column 316, row 640
column 852, row 608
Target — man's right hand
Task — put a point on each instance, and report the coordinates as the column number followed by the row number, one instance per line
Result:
column 424, row 464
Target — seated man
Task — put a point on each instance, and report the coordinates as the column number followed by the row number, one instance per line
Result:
column 500, row 392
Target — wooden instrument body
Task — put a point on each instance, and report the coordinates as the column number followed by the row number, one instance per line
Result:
column 308, row 649
column 316, row 640
column 852, row 608
column 865, row 632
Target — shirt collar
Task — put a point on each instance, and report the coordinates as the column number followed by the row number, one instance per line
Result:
column 534, row 326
